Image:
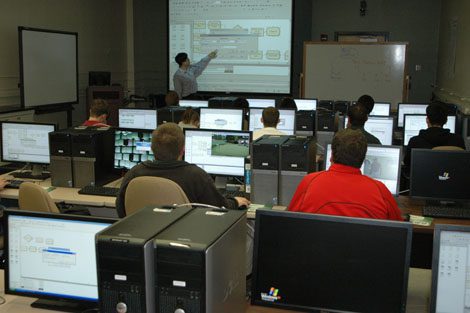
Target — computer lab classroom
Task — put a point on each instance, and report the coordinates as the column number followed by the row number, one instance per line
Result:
column 63, row 246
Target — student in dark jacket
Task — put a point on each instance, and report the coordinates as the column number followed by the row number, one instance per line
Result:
column 168, row 149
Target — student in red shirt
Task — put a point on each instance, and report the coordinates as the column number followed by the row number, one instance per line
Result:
column 98, row 114
column 342, row 189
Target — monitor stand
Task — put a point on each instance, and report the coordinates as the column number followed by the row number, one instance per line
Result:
column 35, row 173
column 227, row 183
column 61, row 305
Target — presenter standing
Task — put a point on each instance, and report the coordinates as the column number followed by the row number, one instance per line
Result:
column 184, row 79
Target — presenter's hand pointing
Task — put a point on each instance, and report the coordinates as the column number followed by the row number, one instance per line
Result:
column 213, row 54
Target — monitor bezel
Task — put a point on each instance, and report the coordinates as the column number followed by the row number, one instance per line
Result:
column 124, row 169
column 316, row 102
column 424, row 115
column 197, row 106
column 389, row 104
column 27, row 123
column 242, row 115
column 328, row 218
column 288, row 110
column 257, row 107
column 406, row 103
column 138, row 109
column 49, row 215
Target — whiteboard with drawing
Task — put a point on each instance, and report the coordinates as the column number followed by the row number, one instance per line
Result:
column 345, row 71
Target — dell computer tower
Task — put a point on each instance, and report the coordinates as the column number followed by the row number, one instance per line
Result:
column 60, row 147
column 125, row 255
column 298, row 155
column 200, row 263
column 305, row 123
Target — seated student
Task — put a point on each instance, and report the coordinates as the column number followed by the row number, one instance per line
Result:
column 270, row 119
column 342, row 189
column 287, row 103
column 368, row 102
column 357, row 117
column 190, row 119
column 172, row 99
column 99, row 112
column 168, row 149
column 435, row 135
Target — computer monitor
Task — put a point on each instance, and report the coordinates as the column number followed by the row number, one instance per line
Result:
column 319, row 262
column 218, row 152
column 381, row 163
column 138, row 118
column 227, row 119
column 286, row 120
column 450, row 268
column 194, row 103
column 413, row 123
column 306, row 104
column 409, row 108
column 381, row 109
column 132, row 146
column 379, row 126
column 261, row 103
column 440, row 175
column 52, row 256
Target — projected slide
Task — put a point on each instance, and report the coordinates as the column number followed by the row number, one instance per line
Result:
column 253, row 39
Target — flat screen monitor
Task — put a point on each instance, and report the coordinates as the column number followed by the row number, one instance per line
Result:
column 409, row 108
column 381, row 109
column 440, row 175
column 286, row 120
column 132, row 146
column 52, row 256
column 379, row 126
column 450, row 269
column 26, row 142
column 261, row 103
column 194, row 103
column 306, row 104
column 227, row 119
column 381, row 163
column 217, row 152
column 413, row 123
column 138, row 118
column 318, row 262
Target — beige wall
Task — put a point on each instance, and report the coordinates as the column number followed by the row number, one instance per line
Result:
column 453, row 82
column 103, row 37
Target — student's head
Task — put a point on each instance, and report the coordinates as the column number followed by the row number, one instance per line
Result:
column 349, row 147
column 357, row 115
column 99, row 110
column 270, row 117
column 190, row 116
column 367, row 101
column 287, row 103
column 181, row 58
column 168, row 142
column 172, row 98
column 436, row 115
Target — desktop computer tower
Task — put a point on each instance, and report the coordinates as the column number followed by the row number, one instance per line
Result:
column 325, row 127
column 266, row 155
column 298, row 157
column 164, row 115
column 223, row 102
column 342, row 107
column 326, row 105
column 125, row 256
column 178, row 113
column 305, row 123
column 60, row 148
column 200, row 263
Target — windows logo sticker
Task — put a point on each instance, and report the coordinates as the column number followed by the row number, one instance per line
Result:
column 271, row 296
column 444, row 177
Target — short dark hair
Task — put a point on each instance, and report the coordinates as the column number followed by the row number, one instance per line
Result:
column 357, row 115
column 172, row 98
column 270, row 117
column 437, row 114
column 99, row 107
column 349, row 147
column 167, row 142
column 287, row 103
column 181, row 57
column 367, row 101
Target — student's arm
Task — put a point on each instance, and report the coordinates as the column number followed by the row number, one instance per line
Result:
column 200, row 66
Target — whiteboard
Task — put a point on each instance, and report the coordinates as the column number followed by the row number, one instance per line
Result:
column 345, row 71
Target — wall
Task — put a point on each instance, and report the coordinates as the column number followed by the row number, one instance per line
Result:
column 102, row 39
column 453, row 70
column 413, row 21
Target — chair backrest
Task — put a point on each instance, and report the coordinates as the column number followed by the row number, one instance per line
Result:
column 33, row 197
column 150, row 190
column 448, row 148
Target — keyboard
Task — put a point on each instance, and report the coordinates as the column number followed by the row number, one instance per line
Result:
column 14, row 183
column 461, row 212
column 28, row 174
column 232, row 193
column 99, row 191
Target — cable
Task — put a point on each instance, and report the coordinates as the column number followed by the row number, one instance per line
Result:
column 2, row 300
column 403, row 191
column 200, row 205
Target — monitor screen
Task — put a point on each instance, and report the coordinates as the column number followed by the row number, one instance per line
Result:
column 450, row 269
column 132, row 147
column 413, row 123
column 227, row 119
column 194, row 103
column 286, row 120
column 409, row 108
column 261, row 103
column 26, row 142
column 379, row 126
column 318, row 262
column 440, row 175
column 138, row 118
column 381, row 109
column 52, row 255
column 381, row 163
column 306, row 104
column 217, row 152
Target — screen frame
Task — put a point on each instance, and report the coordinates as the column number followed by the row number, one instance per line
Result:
column 289, row 110
column 68, row 217
column 316, row 103
column 389, row 107
column 213, row 109
column 139, row 109
column 424, row 115
column 406, row 103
